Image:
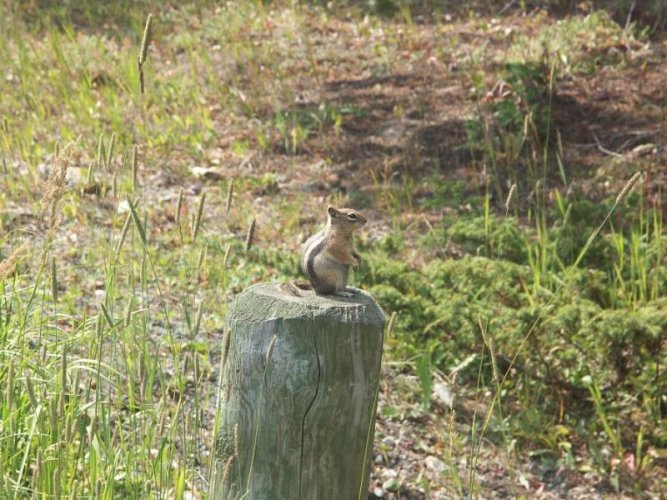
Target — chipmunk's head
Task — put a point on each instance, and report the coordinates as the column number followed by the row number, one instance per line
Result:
column 346, row 219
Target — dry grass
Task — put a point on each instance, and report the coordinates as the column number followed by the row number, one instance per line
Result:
column 8, row 265
column 55, row 185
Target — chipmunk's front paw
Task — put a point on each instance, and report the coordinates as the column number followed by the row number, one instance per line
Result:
column 357, row 258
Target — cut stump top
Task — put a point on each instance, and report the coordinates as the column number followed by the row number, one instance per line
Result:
column 265, row 301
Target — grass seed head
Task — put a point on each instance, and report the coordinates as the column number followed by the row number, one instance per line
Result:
column 101, row 154
column 63, row 375
column 143, row 52
column 179, row 207
column 89, row 174
column 392, row 322
column 146, row 40
column 123, row 235
column 250, row 237
column 230, row 194
column 137, row 222
column 112, row 143
column 54, row 280
column 510, row 197
column 628, row 186
column 200, row 260
column 55, row 185
column 30, row 390
column 225, row 259
column 128, row 313
column 200, row 315
column 107, row 315
column 8, row 266
column 197, row 222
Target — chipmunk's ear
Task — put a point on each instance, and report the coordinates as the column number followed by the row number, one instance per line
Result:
column 332, row 211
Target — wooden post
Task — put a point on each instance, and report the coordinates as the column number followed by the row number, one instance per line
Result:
column 299, row 386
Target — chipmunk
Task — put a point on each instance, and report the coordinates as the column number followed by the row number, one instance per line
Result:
column 326, row 257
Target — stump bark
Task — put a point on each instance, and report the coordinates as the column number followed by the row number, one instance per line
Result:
column 299, row 386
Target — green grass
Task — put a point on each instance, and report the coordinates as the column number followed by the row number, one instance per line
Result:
column 551, row 311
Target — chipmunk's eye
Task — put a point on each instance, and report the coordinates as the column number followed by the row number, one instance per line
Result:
column 352, row 216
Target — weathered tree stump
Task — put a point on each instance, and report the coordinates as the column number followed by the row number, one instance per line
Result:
column 299, row 391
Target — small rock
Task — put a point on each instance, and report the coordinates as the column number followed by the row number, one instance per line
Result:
column 215, row 155
column 318, row 165
column 390, row 473
column 209, row 174
column 389, row 441
column 123, row 207
column 443, row 394
column 43, row 170
column 333, row 180
column 435, row 464
column 76, row 177
column 161, row 179
column 378, row 492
